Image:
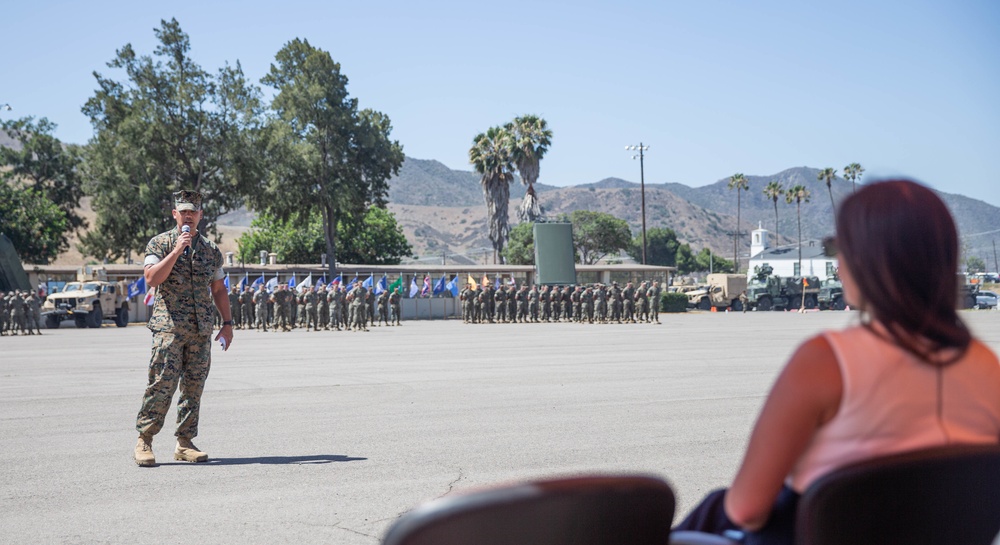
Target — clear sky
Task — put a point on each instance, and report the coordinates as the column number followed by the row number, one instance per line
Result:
column 715, row 87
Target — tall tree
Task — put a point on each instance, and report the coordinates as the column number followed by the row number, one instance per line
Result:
column 853, row 173
column 596, row 235
column 34, row 224
column 774, row 191
column 324, row 155
column 44, row 164
column 491, row 156
column 530, row 139
column 706, row 261
column 738, row 182
column 376, row 239
column 168, row 125
column 520, row 249
column 828, row 175
column 798, row 194
column 661, row 247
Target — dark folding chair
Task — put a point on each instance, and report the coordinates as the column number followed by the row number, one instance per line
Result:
column 591, row 510
column 940, row 496
column 948, row 495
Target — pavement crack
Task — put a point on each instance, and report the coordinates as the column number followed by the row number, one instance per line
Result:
column 451, row 485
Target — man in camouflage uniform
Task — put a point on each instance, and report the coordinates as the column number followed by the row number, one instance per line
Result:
column 4, row 313
column 601, row 304
column 261, row 298
column 359, row 306
column 234, row 306
column 654, row 301
column 628, row 303
column 312, row 308
column 533, row 303
column 641, row 304
column 187, row 269
column 17, row 318
column 336, row 307
column 465, row 296
column 576, row 298
column 587, row 300
column 500, row 303
column 34, row 312
column 394, row 307
column 246, row 306
column 382, row 303
column 546, row 303
column 616, row 303
column 301, row 310
column 323, row 306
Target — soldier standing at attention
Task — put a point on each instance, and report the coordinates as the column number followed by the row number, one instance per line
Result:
column 654, row 301
column 577, row 299
column 628, row 303
column 324, row 307
column 337, row 307
column 187, row 269
column 601, row 304
column 246, row 306
column 312, row 303
column 234, row 306
column 34, row 312
column 394, row 301
column 500, row 303
column 301, row 312
column 260, row 298
column 383, row 308
column 641, row 304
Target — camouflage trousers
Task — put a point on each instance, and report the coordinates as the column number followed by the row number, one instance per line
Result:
column 183, row 359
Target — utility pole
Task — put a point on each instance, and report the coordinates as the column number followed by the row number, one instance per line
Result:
column 642, row 188
column 995, row 267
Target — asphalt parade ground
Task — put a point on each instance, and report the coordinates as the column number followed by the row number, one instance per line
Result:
column 327, row 437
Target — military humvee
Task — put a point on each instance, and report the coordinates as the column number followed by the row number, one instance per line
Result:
column 88, row 302
column 721, row 291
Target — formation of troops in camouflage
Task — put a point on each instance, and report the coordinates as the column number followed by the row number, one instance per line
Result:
column 20, row 312
column 327, row 308
column 595, row 303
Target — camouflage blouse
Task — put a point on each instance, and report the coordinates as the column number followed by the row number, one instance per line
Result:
column 184, row 301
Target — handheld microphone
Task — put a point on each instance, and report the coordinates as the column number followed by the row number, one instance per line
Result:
column 187, row 249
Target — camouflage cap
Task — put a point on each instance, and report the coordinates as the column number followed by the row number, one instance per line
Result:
column 187, row 200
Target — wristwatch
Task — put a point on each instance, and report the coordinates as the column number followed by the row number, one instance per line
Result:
column 227, row 322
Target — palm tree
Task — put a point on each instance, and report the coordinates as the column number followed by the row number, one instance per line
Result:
column 774, row 191
column 739, row 183
column 827, row 175
column 531, row 138
column 853, row 173
column 798, row 195
column 490, row 154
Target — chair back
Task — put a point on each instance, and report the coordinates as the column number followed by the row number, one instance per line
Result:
column 948, row 495
column 591, row 510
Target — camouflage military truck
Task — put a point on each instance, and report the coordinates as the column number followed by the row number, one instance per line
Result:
column 88, row 302
column 831, row 295
column 721, row 291
column 767, row 291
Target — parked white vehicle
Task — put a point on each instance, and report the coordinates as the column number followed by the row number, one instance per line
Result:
column 987, row 299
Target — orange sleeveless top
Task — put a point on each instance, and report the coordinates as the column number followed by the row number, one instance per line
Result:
column 890, row 404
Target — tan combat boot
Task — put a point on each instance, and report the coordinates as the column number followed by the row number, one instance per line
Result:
column 187, row 452
column 144, row 451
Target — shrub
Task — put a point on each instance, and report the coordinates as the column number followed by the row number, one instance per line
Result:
column 673, row 302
